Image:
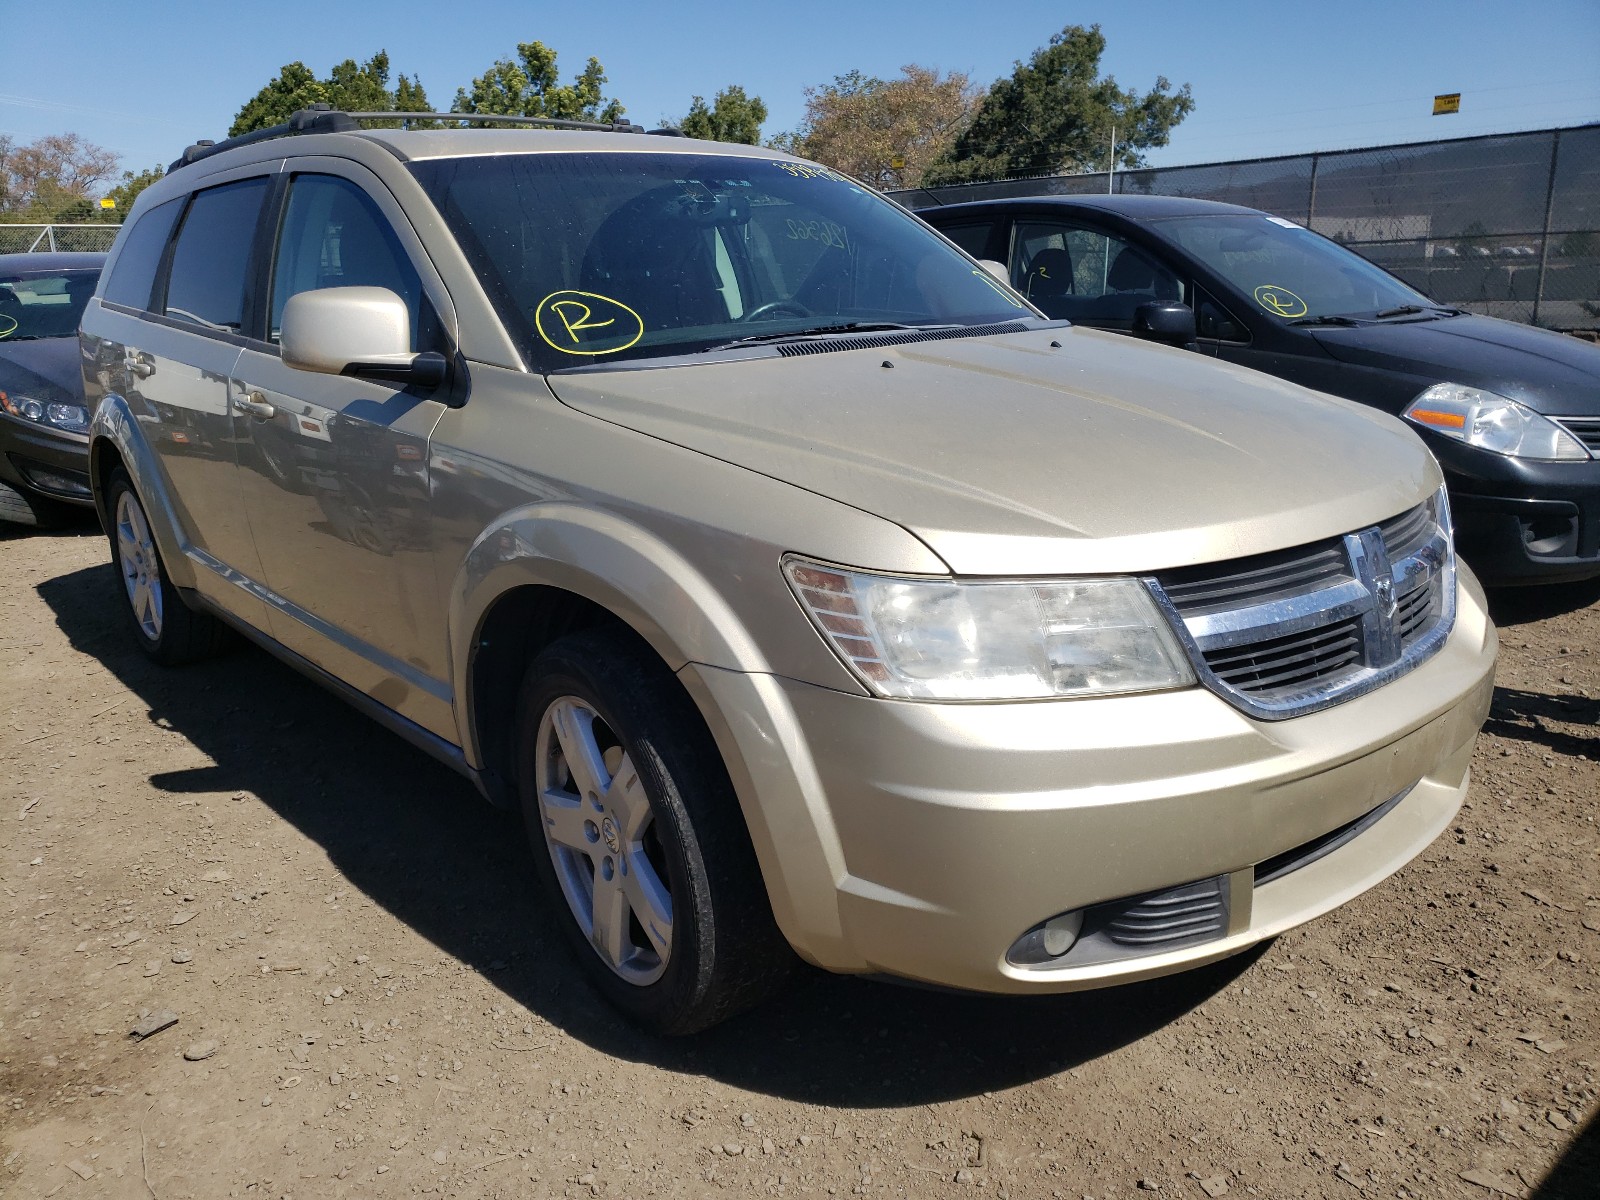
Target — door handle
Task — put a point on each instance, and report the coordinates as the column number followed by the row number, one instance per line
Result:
column 136, row 364
column 254, row 403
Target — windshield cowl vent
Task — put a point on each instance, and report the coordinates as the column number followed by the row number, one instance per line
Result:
column 876, row 341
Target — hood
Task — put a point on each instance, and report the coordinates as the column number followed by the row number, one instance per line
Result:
column 1552, row 373
column 52, row 363
column 1009, row 457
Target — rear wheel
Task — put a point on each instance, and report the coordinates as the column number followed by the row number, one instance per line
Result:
column 638, row 839
column 166, row 628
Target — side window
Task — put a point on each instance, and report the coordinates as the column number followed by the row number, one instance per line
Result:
column 974, row 239
column 1215, row 322
column 333, row 235
column 1085, row 275
column 206, row 286
column 133, row 278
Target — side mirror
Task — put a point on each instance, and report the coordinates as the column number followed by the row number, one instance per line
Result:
column 1161, row 321
column 360, row 331
column 997, row 269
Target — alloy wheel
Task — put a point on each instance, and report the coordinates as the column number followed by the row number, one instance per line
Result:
column 140, row 566
column 600, row 831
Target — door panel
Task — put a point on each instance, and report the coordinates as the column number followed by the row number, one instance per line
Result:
column 334, row 470
column 177, row 374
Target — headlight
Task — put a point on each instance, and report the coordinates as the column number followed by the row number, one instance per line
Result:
column 940, row 639
column 1492, row 422
column 72, row 417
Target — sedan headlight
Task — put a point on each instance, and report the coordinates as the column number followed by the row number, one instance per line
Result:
column 1492, row 422
column 942, row 639
column 74, row 418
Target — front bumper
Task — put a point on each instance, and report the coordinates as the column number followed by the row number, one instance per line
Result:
column 44, row 461
column 922, row 840
column 1523, row 522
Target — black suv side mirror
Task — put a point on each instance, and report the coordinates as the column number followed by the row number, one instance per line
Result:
column 1165, row 321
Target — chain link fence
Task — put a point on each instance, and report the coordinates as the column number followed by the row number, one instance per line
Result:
column 1507, row 225
column 26, row 239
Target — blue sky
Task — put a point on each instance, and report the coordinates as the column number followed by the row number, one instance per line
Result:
column 144, row 79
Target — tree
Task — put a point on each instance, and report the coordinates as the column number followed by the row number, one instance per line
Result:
column 1056, row 113
column 52, row 178
column 126, row 192
column 351, row 86
column 884, row 132
column 530, row 87
column 732, row 117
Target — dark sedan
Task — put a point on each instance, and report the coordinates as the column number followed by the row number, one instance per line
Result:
column 1511, row 412
column 44, row 443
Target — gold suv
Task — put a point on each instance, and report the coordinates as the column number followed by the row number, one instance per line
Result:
column 806, row 589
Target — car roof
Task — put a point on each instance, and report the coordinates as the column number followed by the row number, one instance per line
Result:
column 414, row 144
column 13, row 264
column 1134, row 207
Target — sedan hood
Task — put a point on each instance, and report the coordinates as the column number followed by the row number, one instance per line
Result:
column 1552, row 373
column 46, row 364
column 1048, row 452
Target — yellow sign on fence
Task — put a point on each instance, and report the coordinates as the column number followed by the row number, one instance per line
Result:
column 108, row 202
column 1447, row 104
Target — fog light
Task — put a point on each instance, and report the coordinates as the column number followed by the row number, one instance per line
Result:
column 47, row 480
column 1047, row 942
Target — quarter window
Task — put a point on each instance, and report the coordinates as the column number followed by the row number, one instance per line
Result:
column 335, row 236
column 133, row 278
column 207, row 283
column 1215, row 322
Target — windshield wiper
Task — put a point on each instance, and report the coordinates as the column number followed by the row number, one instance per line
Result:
column 757, row 339
column 1327, row 320
column 1403, row 310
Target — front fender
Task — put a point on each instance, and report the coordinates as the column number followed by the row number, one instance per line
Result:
column 625, row 570
column 114, row 429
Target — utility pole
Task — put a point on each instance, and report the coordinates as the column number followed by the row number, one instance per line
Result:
column 1111, row 170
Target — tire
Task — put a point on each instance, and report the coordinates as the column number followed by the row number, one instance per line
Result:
column 25, row 508
column 658, row 812
column 166, row 628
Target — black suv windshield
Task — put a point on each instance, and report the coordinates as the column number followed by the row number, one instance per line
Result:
column 594, row 258
column 1289, row 271
column 44, row 304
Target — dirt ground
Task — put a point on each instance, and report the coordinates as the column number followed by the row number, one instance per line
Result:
column 374, row 1006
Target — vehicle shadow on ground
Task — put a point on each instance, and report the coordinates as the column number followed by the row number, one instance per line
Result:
column 1574, row 1175
column 418, row 841
column 1525, row 716
column 1513, row 606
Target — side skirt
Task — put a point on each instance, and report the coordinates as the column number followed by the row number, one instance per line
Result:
column 489, row 785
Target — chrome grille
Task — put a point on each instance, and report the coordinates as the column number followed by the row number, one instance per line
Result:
column 1585, row 429
column 1288, row 633
column 1289, row 661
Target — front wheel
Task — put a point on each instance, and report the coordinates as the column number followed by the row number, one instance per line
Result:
column 638, row 838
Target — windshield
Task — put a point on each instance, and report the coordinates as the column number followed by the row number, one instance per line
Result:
column 1289, row 271
column 44, row 305
column 594, row 258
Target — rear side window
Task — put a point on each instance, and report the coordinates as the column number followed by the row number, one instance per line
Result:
column 207, row 284
column 974, row 239
column 133, row 278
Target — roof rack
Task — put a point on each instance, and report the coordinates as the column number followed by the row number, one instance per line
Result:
column 324, row 118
